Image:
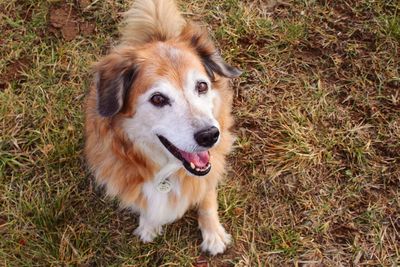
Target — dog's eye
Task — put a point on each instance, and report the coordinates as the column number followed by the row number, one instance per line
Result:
column 159, row 100
column 202, row 87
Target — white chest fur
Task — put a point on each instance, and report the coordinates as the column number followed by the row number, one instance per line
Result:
column 163, row 206
column 160, row 209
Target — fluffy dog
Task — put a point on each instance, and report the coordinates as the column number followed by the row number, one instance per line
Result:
column 157, row 121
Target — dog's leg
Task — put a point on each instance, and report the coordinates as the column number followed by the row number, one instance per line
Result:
column 215, row 238
column 147, row 230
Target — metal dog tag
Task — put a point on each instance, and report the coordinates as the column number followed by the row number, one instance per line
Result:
column 164, row 186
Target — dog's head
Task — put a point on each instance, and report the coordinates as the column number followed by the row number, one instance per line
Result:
column 166, row 95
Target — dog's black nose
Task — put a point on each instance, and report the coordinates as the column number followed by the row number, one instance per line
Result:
column 207, row 137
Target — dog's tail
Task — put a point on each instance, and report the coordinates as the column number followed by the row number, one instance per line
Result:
column 149, row 20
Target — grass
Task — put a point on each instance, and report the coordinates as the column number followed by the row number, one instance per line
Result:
column 314, row 178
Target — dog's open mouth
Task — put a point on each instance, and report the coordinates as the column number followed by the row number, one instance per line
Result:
column 196, row 163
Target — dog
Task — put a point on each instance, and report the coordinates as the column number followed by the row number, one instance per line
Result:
column 158, row 119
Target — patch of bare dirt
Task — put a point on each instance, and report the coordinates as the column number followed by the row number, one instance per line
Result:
column 13, row 72
column 87, row 28
column 65, row 20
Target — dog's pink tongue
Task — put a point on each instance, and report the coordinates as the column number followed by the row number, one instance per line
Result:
column 199, row 159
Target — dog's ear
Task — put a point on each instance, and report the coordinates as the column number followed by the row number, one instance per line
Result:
column 114, row 77
column 211, row 58
column 215, row 63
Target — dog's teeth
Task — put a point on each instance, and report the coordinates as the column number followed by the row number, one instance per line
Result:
column 192, row 165
column 197, row 169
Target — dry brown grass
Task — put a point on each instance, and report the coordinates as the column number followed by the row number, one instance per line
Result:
column 315, row 176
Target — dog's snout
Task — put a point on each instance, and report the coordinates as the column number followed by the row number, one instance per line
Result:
column 207, row 137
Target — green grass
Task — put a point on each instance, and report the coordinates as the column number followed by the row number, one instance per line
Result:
column 314, row 178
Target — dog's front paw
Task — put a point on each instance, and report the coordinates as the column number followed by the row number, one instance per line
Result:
column 215, row 242
column 147, row 233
